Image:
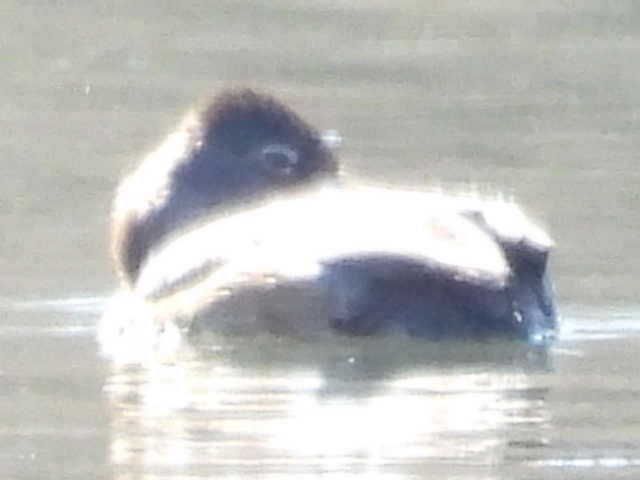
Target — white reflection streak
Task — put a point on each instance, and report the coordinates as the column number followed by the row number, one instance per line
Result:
column 606, row 462
column 415, row 417
column 157, row 409
column 200, row 413
column 151, row 399
column 343, row 428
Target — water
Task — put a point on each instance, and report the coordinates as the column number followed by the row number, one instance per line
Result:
column 277, row 408
column 536, row 100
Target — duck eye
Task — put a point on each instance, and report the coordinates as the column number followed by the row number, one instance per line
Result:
column 280, row 158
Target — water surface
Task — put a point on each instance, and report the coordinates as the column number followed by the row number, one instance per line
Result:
column 537, row 100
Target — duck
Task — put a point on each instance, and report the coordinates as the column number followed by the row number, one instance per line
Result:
column 240, row 223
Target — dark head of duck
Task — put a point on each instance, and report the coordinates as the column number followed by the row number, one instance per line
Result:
column 240, row 147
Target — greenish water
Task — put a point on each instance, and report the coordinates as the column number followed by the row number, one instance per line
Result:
column 538, row 100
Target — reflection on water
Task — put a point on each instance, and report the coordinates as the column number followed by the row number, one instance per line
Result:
column 389, row 408
column 268, row 407
column 369, row 406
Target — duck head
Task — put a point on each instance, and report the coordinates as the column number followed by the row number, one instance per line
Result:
column 240, row 148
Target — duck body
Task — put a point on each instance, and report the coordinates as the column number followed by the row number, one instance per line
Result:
column 359, row 261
